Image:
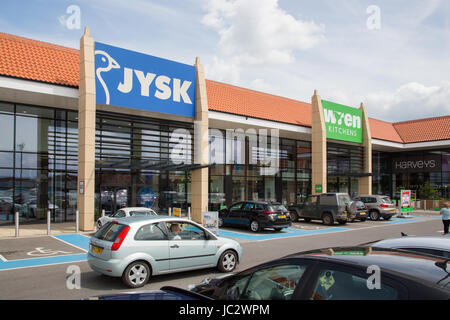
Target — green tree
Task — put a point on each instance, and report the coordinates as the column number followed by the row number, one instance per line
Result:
column 429, row 191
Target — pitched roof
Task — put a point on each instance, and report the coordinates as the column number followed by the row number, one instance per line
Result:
column 41, row 61
column 429, row 129
column 236, row 100
column 384, row 131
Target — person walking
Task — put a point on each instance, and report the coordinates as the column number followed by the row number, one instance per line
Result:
column 445, row 212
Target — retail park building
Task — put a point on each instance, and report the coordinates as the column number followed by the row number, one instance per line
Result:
column 69, row 141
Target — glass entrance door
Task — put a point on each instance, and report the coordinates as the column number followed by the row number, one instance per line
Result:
column 113, row 198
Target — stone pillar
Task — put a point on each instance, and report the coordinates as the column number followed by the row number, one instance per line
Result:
column 86, row 133
column 199, row 178
column 365, row 183
column 319, row 145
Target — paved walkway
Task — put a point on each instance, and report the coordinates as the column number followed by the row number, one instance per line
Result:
column 36, row 229
column 40, row 229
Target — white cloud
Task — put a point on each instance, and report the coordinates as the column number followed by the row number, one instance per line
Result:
column 223, row 70
column 411, row 101
column 259, row 32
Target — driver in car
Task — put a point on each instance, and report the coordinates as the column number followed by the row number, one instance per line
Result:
column 175, row 229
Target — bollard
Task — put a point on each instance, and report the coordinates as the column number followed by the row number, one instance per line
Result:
column 16, row 218
column 77, row 222
column 189, row 213
column 103, row 213
column 48, row 222
column 170, row 211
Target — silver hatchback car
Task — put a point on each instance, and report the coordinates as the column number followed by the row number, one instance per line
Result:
column 136, row 248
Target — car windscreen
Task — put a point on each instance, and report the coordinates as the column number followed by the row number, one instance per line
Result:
column 276, row 208
column 386, row 200
column 109, row 231
column 344, row 199
column 141, row 213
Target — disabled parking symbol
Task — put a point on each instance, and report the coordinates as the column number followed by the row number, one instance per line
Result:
column 42, row 252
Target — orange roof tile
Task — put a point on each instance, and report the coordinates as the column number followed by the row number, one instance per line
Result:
column 384, row 131
column 39, row 61
column 236, row 100
column 430, row 129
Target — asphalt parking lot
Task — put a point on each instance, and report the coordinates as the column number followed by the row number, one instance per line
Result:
column 69, row 248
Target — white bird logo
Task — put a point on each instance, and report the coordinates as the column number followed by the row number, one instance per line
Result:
column 111, row 64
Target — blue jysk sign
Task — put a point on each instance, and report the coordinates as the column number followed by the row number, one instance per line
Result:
column 135, row 80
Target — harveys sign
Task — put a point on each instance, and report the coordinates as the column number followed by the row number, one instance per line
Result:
column 428, row 163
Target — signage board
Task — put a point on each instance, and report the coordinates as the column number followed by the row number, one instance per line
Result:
column 134, row 80
column 146, row 197
column 405, row 200
column 210, row 220
column 342, row 122
column 176, row 212
column 318, row 188
column 426, row 163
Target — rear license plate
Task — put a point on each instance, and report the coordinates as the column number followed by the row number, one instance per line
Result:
column 282, row 217
column 344, row 214
column 392, row 211
column 97, row 250
column 362, row 213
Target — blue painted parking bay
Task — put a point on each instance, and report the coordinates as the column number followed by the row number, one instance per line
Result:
column 285, row 233
column 78, row 241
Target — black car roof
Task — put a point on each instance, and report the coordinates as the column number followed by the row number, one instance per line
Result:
column 409, row 264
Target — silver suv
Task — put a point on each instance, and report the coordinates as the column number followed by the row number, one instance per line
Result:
column 378, row 206
column 136, row 248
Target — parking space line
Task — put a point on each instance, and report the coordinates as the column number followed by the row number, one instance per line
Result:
column 3, row 258
column 76, row 240
column 41, row 262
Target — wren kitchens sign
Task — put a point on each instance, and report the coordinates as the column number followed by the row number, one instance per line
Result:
column 134, row 80
column 342, row 122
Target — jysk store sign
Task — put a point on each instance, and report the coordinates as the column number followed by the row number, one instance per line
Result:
column 342, row 122
column 134, row 80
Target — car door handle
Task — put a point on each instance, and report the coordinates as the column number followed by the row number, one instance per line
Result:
column 174, row 246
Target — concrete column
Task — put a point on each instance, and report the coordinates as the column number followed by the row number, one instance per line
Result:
column 365, row 183
column 199, row 178
column 319, row 145
column 86, row 133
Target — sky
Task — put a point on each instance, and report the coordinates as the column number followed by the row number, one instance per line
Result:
column 393, row 56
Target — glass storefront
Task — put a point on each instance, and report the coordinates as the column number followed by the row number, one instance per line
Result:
column 344, row 166
column 246, row 180
column 145, row 162
column 137, row 163
column 426, row 173
column 38, row 163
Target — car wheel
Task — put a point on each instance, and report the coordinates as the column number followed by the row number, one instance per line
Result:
column 374, row 215
column 327, row 219
column 255, row 226
column 294, row 216
column 136, row 275
column 227, row 261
